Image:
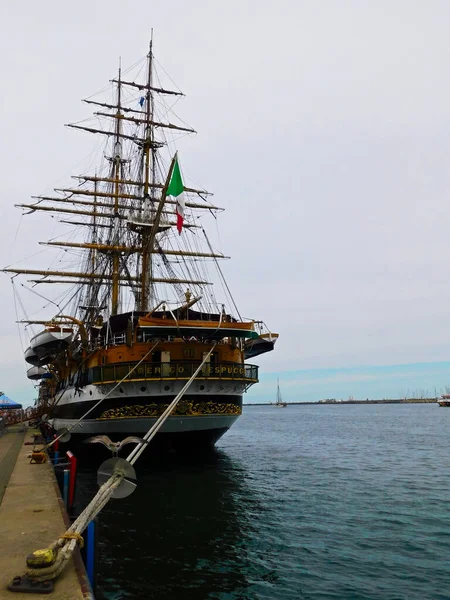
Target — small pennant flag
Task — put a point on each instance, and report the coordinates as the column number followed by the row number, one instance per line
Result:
column 176, row 192
column 142, row 100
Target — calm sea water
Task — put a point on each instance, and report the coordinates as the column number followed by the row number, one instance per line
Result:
column 305, row 502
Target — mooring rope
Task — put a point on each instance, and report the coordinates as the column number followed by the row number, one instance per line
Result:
column 68, row 429
column 58, row 554
column 139, row 449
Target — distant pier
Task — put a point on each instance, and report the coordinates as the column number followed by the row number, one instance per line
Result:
column 321, row 402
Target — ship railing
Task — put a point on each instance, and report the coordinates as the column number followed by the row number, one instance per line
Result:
column 175, row 370
column 113, row 340
column 143, row 337
column 149, row 336
column 118, row 338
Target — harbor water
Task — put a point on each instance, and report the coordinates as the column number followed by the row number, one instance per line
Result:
column 303, row 502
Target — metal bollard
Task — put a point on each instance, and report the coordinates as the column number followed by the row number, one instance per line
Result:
column 73, row 477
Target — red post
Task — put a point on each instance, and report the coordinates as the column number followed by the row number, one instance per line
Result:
column 56, row 444
column 73, row 476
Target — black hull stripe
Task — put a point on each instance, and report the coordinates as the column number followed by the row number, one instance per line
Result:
column 75, row 410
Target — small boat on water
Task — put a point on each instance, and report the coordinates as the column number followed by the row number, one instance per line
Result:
column 279, row 402
column 444, row 400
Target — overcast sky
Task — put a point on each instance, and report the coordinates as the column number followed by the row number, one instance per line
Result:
column 323, row 129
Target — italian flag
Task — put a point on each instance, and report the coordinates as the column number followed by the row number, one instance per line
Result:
column 176, row 192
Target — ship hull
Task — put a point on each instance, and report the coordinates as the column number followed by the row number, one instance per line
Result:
column 133, row 408
column 137, row 426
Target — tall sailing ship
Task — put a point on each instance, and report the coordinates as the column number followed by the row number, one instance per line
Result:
column 139, row 313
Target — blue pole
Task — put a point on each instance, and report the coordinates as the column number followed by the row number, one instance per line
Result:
column 66, row 487
column 56, row 457
column 90, row 553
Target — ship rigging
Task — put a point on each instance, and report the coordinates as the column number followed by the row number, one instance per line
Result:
column 136, row 268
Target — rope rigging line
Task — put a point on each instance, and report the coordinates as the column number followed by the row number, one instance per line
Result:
column 17, row 315
column 221, row 274
column 17, row 296
column 68, row 429
column 61, row 297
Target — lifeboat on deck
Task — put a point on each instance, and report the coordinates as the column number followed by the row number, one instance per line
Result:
column 265, row 342
column 196, row 328
column 31, row 357
column 36, row 373
column 50, row 342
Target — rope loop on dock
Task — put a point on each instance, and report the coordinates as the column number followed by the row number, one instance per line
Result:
column 73, row 536
column 64, row 546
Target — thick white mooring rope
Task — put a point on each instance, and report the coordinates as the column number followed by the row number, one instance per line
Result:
column 64, row 546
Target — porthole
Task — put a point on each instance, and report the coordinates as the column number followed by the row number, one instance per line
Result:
column 167, row 388
column 202, row 387
column 90, row 392
column 143, row 389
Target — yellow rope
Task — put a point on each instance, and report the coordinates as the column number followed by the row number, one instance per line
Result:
column 73, row 536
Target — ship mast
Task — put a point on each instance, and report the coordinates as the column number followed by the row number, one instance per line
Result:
column 94, row 229
column 116, row 166
column 149, row 165
column 92, row 292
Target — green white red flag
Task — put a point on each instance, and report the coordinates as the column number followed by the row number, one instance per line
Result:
column 176, row 192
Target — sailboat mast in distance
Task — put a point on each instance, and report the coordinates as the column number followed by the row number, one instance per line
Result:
column 279, row 401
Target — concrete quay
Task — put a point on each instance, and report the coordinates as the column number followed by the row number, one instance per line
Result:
column 32, row 515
